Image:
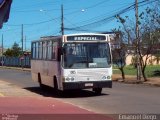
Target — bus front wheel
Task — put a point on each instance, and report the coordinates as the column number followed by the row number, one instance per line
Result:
column 97, row 91
column 58, row 92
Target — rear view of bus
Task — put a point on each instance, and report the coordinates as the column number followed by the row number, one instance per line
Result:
column 86, row 62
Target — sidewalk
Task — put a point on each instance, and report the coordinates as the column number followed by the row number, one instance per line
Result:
column 16, row 68
column 20, row 101
column 19, row 104
column 14, row 99
column 154, row 81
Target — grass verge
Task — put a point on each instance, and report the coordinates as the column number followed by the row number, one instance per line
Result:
column 131, row 70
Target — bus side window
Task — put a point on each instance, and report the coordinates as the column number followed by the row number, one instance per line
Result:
column 49, row 50
column 37, row 49
column 40, row 50
column 44, row 49
column 34, row 50
column 54, row 50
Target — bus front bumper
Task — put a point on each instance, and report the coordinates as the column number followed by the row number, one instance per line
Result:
column 85, row 85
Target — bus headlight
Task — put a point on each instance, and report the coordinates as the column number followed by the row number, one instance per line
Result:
column 108, row 77
column 72, row 79
column 68, row 79
column 104, row 78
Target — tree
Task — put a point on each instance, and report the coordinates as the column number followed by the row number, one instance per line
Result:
column 149, row 24
column 15, row 51
column 119, row 58
column 119, row 53
column 8, row 52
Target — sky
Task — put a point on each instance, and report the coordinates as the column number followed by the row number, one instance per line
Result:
column 43, row 18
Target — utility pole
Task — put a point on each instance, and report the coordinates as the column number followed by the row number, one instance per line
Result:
column 138, row 42
column 2, row 44
column 22, row 37
column 22, row 58
column 62, row 21
column 25, row 43
column 2, row 61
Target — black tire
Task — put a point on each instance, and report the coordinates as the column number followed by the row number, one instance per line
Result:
column 97, row 91
column 58, row 92
column 55, row 84
column 42, row 86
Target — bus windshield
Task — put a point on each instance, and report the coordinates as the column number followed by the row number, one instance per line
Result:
column 86, row 55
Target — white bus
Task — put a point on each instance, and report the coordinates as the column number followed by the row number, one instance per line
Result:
column 74, row 61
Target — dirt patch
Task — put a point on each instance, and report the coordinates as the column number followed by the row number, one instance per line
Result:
column 133, row 80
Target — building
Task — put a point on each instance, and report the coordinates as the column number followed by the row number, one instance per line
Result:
column 152, row 60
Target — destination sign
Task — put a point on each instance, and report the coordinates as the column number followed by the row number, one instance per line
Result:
column 86, row 38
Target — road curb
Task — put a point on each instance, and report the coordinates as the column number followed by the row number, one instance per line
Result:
column 16, row 68
column 137, row 82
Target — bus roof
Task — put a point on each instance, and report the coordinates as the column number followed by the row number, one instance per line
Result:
column 84, row 34
column 47, row 38
column 60, row 36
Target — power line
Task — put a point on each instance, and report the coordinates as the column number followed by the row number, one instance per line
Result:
column 99, row 3
column 36, row 23
column 35, row 10
column 110, row 18
column 100, row 16
column 86, row 8
column 51, row 19
column 100, row 22
column 34, row 5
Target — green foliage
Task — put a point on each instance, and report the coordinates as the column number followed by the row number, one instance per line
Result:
column 149, row 34
column 128, row 70
column 131, row 70
column 121, row 20
column 150, row 69
column 8, row 52
column 15, row 51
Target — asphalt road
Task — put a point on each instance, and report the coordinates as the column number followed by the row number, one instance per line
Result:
column 121, row 99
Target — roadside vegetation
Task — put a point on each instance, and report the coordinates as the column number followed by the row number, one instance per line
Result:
column 15, row 51
column 151, row 70
column 142, row 44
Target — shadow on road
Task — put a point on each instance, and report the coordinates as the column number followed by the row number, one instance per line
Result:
column 50, row 92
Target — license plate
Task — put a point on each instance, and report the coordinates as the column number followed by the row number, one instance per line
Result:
column 88, row 84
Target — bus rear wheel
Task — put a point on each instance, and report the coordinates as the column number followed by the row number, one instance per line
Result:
column 97, row 91
column 42, row 86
